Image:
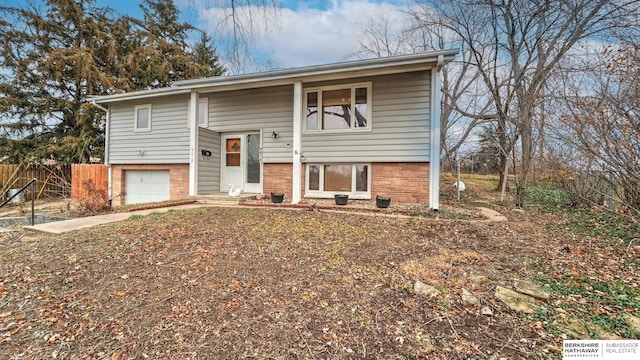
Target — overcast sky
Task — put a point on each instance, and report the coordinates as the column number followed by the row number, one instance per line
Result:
column 308, row 34
column 299, row 33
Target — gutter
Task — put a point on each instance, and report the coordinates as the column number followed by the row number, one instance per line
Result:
column 106, row 147
column 99, row 106
column 286, row 76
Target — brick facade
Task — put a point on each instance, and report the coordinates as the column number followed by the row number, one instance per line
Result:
column 178, row 180
column 278, row 178
column 403, row 182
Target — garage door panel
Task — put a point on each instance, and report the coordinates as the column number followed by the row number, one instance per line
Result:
column 144, row 186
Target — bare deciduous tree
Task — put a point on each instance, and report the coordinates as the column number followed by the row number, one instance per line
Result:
column 516, row 45
column 600, row 121
column 421, row 31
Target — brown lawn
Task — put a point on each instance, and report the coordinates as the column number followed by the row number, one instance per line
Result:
column 228, row 283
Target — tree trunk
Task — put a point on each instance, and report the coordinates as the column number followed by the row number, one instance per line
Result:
column 503, row 172
column 526, row 140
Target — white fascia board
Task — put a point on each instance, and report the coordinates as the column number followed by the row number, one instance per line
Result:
column 378, row 66
column 320, row 70
column 137, row 95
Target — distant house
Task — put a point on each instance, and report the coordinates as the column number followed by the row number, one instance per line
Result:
column 362, row 128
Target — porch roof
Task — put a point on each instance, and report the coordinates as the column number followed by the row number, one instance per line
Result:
column 377, row 66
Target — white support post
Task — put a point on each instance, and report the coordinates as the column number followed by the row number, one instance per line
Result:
column 193, row 144
column 297, row 143
column 434, row 165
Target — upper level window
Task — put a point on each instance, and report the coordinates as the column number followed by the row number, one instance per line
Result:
column 142, row 121
column 338, row 108
column 202, row 112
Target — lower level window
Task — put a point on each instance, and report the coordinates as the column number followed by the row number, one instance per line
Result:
column 327, row 179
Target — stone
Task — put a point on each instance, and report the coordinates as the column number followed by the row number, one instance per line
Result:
column 517, row 301
column 531, row 289
column 423, row 289
column 575, row 328
column 468, row 299
column 486, row 311
column 491, row 215
column 632, row 321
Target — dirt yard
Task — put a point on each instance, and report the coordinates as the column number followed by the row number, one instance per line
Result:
column 263, row 283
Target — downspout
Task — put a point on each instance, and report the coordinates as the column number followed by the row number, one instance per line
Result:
column 436, row 111
column 94, row 103
column 107, row 126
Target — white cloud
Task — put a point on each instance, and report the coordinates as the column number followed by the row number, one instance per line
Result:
column 305, row 36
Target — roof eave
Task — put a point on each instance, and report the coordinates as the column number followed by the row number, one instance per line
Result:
column 288, row 76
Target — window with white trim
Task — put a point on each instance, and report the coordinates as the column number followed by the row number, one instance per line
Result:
column 202, row 112
column 329, row 179
column 142, row 118
column 338, row 108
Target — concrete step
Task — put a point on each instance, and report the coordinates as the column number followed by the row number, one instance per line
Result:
column 223, row 199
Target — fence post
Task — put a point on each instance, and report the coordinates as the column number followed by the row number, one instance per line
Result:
column 33, row 201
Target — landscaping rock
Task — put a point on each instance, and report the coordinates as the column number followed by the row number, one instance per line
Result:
column 632, row 321
column 531, row 289
column 517, row 301
column 576, row 328
column 423, row 289
column 468, row 299
column 491, row 215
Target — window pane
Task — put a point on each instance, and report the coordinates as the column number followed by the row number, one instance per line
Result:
column 233, row 145
column 233, row 152
column 253, row 159
column 336, row 109
column 202, row 112
column 314, row 177
column 361, row 108
column 142, row 121
column 362, row 175
column 337, row 178
column 233, row 159
column 312, row 111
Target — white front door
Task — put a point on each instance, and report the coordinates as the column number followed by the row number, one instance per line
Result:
column 241, row 162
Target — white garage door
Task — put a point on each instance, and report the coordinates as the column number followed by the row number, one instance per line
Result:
column 145, row 186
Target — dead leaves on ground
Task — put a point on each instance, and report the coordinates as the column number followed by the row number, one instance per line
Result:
column 263, row 283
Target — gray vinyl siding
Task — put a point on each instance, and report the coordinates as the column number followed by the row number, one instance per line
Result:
column 166, row 143
column 401, row 116
column 208, row 167
column 267, row 109
column 399, row 125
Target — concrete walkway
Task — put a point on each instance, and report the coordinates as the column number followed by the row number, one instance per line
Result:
column 64, row 226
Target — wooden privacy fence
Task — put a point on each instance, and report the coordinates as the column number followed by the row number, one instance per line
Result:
column 51, row 180
column 89, row 181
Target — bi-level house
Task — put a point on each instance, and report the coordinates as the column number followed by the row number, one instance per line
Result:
column 362, row 128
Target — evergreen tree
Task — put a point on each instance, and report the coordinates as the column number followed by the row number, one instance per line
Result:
column 487, row 157
column 164, row 55
column 204, row 54
column 51, row 63
column 55, row 57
